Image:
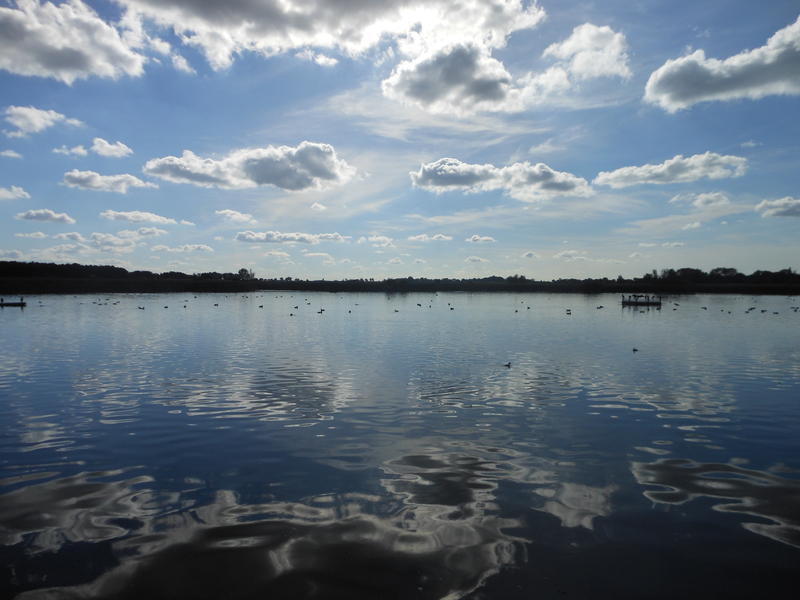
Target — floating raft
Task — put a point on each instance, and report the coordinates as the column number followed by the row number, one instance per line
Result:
column 639, row 300
column 21, row 303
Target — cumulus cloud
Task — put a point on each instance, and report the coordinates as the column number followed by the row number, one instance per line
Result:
column 136, row 216
column 234, row 216
column 28, row 119
column 424, row 237
column 10, row 254
column 678, row 169
column 671, row 244
column 784, row 207
column 530, row 254
column 692, row 225
column 45, row 214
column 310, row 165
column 10, row 154
column 183, row 248
column 463, row 78
column 13, row 193
column 74, row 151
column 89, row 180
column 34, row 235
column 592, row 51
column 702, row 201
column 141, row 232
column 181, row 64
column 522, row 180
column 318, row 207
column 66, row 41
column 327, row 259
column 320, row 59
column 277, row 237
column 480, row 239
column 277, row 254
column 270, row 28
column 476, row 259
column 768, row 70
column 377, row 241
column 115, row 150
column 570, row 255
column 73, row 236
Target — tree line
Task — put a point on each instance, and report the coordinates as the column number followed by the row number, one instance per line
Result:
column 37, row 277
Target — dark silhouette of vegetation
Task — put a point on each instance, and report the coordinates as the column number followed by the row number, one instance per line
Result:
column 41, row 278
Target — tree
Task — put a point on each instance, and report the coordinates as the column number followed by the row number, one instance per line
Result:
column 246, row 274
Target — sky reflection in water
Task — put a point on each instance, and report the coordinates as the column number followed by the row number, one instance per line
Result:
column 235, row 451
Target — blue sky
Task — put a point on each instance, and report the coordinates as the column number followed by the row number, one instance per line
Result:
column 385, row 138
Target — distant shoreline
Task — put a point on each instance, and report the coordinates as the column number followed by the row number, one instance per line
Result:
column 19, row 278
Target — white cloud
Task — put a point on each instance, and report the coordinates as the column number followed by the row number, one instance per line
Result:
column 276, row 237
column 10, row 254
column 320, row 59
column 13, row 193
column 750, row 144
column 108, row 242
column 784, row 207
column 420, row 261
column 462, row 79
column 45, row 214
column 671, row 244
column 234, row 216
column 136, row 216
column 530, row 254
column 269, row 28
column 34, row 235
column 768, row 70
column 89, row 180
column 395, row 261
column 678, row 169
column 692, row 225
column 327, row 259
column 115, row 150
column 73, row 236
column 318, row 207
column 593, row 51
column 141, row 232
column 475, row 259
column 181, row 64
column 522, row 181
column 28, row 119
column 702, row 201
column 377, row 241
column 310, row 165
column 185, row 222
column 10, row 154
column 277, row 254
column 635, row 255
column 424, row 237
column 480, row 239
column 66, row 41
column 183, row 248
column 74, row 151
column 570, row 255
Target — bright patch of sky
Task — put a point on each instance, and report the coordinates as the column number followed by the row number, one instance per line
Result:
column 389, row 138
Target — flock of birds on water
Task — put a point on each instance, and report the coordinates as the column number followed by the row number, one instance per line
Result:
column 307, row 302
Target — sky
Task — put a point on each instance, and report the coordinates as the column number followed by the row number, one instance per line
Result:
column 392, row 138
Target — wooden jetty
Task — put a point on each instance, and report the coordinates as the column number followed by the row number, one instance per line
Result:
column 20, row 304
column 641, row 300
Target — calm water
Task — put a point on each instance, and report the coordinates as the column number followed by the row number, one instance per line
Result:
column 381, row 449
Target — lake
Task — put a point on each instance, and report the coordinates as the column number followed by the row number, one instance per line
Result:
column 290, row 445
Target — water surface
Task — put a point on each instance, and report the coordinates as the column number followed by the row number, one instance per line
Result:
column 251, row 446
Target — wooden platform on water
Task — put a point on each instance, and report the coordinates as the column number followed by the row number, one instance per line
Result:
column 20, row 304
column 641, row 300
